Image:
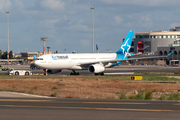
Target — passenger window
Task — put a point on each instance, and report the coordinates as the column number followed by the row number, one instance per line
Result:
column 39, row 58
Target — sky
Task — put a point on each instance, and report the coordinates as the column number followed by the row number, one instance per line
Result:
column 68, row 23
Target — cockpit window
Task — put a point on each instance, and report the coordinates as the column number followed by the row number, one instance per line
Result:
column 39, row 58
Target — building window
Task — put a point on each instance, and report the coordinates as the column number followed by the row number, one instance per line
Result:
column 162, row 36
column 175, row 36
column 154, row 36
column 166, row 36
column 170, row 36
column 146, row 36
column 140, row 36
column 178, row 36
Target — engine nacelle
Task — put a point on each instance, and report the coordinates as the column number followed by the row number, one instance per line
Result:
column 53, row 71
column 96, row 68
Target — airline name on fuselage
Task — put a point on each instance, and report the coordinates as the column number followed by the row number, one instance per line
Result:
column 56, row 57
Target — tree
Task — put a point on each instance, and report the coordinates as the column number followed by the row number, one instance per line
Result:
column 11, row 54
column 4, row 56
column 48, row 49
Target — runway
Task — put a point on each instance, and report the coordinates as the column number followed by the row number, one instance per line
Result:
column 117, row 69
column 124, row 69
column 89, row 109
column 28, row 107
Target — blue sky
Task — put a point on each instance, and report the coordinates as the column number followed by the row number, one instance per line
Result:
column 68, row 23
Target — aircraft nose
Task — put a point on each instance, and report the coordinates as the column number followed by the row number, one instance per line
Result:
column 35, row 62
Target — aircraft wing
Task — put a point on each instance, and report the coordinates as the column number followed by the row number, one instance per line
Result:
column 139, row 58
column 105, row 62
column 87, row 64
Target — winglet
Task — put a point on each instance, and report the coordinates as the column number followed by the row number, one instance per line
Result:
column 169, row 54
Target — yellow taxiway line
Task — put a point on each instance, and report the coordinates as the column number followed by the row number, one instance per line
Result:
column 88, row 108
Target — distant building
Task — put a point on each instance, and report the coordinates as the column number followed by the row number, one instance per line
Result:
column 175, row 47
column 146, row 42
column 17, row 55
column 159, row 43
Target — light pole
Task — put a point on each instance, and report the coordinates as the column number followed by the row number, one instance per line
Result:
column 44, row 39
column 7, row 37
column 92, row 29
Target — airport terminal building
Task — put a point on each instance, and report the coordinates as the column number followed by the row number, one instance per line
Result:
column 157, row 43
column 145, row 42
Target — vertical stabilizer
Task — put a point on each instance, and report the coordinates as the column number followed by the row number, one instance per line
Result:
column 97, row 48
column 34, row 56
column 125, row 48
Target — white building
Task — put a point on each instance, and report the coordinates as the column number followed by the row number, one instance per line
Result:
column 145, row 42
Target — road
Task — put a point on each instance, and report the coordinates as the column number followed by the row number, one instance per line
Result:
column 87, row 109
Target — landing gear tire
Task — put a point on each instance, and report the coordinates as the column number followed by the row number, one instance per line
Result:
column 99, row 73
column 102, row 73
column 45, row 71
column 96, row 73
column 74, row 73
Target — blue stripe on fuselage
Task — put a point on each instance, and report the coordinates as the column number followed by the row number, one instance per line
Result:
column 119, row 56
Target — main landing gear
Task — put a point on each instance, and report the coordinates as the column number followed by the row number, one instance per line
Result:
column 74, row 73
column 99, row 73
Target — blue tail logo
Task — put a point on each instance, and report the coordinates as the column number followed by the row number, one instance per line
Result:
column 125, row 48
column 34, row 56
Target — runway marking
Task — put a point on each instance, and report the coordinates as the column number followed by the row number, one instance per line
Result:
column 120, row 73
column 177, row 104
column 131, row 103
column 87, row 108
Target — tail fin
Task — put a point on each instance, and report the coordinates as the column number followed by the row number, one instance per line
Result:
column 97, row 48
column 34, row 56
column 125, row 48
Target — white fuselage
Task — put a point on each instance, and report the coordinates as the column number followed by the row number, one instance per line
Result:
column 72, row 61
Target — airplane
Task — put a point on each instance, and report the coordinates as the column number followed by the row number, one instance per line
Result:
column 93, row 62
column 97, row 48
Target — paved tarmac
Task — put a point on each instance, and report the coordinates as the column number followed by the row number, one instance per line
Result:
column 117, row 69
column 87, row 109
column 125, row 69
column 24, row 106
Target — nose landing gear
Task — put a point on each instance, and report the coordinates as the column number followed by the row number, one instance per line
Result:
column 45, row 71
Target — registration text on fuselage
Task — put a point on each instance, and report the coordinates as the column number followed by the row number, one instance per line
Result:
column 57, row 57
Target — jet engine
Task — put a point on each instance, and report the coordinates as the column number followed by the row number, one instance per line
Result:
column 96, row 68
